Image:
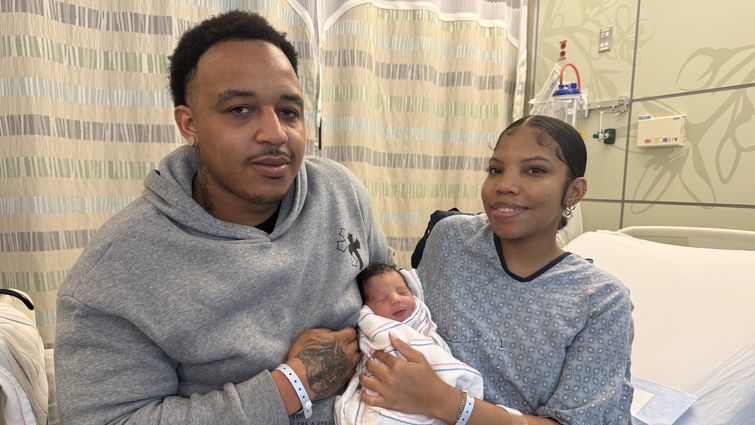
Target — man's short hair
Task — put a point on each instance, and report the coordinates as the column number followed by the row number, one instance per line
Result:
column 233, row 25
column 371, row 271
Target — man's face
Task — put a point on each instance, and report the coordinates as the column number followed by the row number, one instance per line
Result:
column 245, row 115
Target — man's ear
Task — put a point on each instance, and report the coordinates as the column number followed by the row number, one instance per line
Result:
column 184, row 118
column 575, row 192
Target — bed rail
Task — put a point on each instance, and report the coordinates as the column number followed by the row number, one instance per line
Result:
column 701, row 237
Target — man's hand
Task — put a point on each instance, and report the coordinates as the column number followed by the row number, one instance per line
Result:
column 329, row 359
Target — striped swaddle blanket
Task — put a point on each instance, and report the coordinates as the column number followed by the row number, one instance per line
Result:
column 419, row 331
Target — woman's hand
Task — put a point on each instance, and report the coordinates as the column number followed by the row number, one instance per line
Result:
column 408, row 385
column 411, row 386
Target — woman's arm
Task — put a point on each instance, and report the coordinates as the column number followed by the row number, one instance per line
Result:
column 411, row 386
column 594, row 383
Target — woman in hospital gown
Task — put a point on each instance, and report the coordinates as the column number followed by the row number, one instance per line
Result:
column 550, row 333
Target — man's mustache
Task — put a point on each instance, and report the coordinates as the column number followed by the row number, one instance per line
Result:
column 270, row 152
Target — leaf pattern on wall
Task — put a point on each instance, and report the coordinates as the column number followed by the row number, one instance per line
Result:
column 728, row 125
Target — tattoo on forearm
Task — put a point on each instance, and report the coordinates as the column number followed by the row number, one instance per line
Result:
column 326, row 364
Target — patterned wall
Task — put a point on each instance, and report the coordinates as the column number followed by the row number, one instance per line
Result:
column 699, row 64
column 409, row 99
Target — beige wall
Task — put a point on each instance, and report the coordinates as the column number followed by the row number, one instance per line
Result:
column 670, row 58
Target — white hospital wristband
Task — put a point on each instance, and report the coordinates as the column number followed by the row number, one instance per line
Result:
column 289, row 373
column 466, row 411
column 516, row 416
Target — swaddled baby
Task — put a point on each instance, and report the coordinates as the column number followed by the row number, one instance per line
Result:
column 393, row 303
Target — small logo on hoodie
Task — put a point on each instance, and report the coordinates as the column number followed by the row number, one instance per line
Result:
column 349, row 243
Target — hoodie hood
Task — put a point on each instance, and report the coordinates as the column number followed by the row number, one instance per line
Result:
column 168, row 189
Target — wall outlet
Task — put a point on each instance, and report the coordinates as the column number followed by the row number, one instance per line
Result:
column 562, row 50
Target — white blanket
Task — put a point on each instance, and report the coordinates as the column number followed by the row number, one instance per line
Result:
column 419, row 331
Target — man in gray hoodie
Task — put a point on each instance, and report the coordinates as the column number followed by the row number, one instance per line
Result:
column 225, row 294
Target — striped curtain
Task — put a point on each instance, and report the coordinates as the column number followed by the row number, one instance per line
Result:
column 413, row 96
column 408, row 97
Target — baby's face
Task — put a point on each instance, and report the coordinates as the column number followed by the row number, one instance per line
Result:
column 388, row 296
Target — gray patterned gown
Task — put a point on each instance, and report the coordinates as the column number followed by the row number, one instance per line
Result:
column 554, row 344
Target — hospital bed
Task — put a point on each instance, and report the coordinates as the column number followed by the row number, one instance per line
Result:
column 693, row 289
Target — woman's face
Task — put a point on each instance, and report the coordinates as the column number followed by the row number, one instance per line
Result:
column 526, row 187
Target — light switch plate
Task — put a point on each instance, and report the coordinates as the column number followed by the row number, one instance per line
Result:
column 605, row 39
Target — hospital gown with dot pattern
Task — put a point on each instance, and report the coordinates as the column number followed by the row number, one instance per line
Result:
column 555, row 344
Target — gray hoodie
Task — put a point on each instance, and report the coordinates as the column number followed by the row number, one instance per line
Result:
column 171, row 316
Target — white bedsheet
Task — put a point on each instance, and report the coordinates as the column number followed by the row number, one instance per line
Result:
column 694, row 320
